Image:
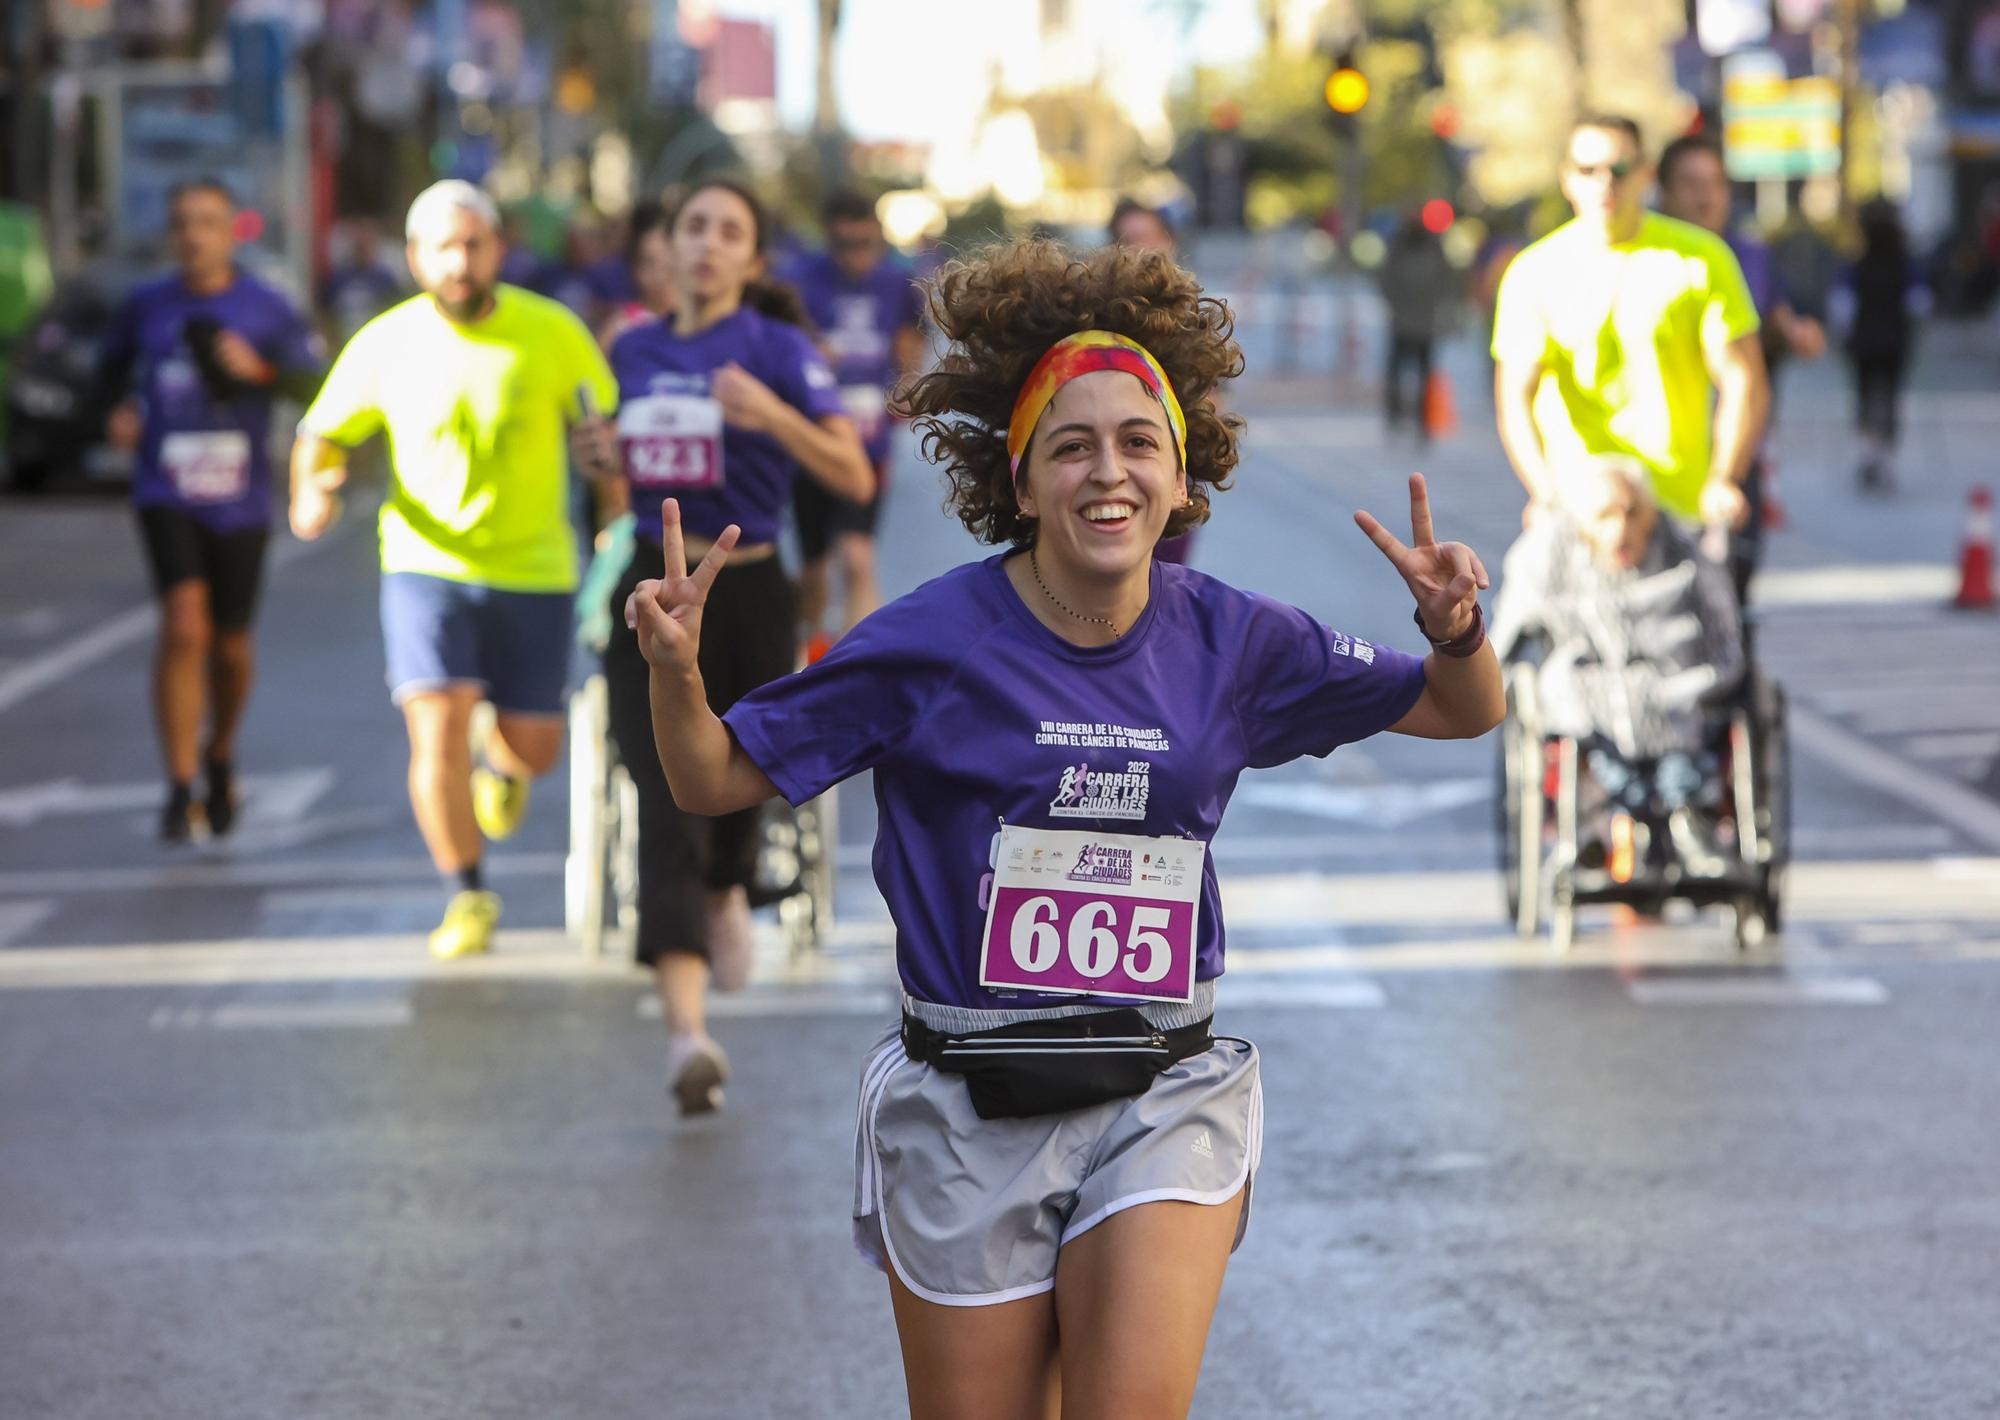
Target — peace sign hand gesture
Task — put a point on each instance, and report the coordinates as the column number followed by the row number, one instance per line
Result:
column 1445, row 577
column 667, row 613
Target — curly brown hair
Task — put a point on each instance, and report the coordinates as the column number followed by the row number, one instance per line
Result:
column 1002, row 308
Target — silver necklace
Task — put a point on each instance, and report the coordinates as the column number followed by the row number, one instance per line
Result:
column 1035, row 568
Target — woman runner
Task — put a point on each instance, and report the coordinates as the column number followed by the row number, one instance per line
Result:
column 722, row 405
column 1053, row 1144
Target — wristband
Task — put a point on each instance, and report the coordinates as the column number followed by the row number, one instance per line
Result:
column 1466, row 643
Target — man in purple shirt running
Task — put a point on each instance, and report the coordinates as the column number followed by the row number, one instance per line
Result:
column 199, row 356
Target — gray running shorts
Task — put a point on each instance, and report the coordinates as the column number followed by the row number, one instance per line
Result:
column 973, row 1211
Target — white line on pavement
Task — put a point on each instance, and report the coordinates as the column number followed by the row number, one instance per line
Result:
column 1932, row 795
column 17, row 919
column 108, row 638
column 1977, row 744
column 1760, row 991
column 211, row 869
column 285, row 1015
column 1866, row 583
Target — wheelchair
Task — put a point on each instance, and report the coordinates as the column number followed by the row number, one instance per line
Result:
column 1553, row 861
column 797, row 847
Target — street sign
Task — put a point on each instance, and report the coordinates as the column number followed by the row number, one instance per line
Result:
column 1774, row 126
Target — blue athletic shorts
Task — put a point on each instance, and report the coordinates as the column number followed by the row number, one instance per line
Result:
column 515, row 645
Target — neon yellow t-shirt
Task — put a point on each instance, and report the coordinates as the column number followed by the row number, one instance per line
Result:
column 477, row 419
column 1619, row 331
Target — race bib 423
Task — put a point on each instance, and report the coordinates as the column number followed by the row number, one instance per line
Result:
column 672, row 441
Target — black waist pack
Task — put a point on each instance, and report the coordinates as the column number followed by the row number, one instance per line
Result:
column 1049, row 1067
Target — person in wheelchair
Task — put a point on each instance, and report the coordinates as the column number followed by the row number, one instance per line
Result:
column 1643, row 648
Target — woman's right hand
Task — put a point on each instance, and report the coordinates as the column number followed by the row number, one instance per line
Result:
column 667, row 613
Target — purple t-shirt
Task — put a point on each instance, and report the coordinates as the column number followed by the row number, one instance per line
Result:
column 858, row 322
column 677, row 446
column 204, row 449
column 970, row 711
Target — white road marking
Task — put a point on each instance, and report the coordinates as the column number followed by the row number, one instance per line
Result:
column 109, row 637
column 789, row 1001
column 1390, row 805
column 213, row 867
column 17, row 919
column 285, row 1015
column 1932, row 795
column 1917, row 717
column 1976, row 744
column 373, row 899
column 269, row 800
column 1349, row 993
column 1867, row 583
column 1760, row 991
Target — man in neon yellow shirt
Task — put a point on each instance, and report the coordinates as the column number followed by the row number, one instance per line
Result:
column 475, row 384
column 1615, row 333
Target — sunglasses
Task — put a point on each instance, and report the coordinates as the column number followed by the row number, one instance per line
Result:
column 1617, row 172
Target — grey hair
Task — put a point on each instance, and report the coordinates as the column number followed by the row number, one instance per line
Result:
column 450, row 195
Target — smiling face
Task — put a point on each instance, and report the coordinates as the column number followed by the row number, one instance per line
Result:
column 715, row 247
column 1102, row 476
column 1604, row 176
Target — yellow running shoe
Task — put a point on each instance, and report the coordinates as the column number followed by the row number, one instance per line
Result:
column 467, row 929
column 498, row 803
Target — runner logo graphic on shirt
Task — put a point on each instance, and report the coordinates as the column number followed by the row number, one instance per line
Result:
column 1100, row 793
column 1096, row 863
column 1344, row 645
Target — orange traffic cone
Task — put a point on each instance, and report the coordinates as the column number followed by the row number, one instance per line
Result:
column 1975, row 559
column 1440, row 412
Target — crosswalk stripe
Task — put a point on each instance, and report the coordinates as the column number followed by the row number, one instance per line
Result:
column 1748, row 990
column 286, row 1015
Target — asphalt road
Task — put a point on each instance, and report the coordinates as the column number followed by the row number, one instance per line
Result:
column 258, row 1156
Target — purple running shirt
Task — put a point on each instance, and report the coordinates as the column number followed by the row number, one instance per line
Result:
column 206, row 441
column 675, row 441
column 971, row 713
column 858, row 323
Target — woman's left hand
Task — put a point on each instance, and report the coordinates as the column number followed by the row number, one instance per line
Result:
column 747, row 402
column 1445, row 577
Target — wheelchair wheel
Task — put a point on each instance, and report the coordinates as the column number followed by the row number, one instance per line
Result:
column 1520, row 805
column 1750, row 926
column 587, row 894
column 1776, row 828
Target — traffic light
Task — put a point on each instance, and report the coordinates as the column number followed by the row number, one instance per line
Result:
column 1346, row 88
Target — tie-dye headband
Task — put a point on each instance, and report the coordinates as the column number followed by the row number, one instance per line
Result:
column 1080, row 354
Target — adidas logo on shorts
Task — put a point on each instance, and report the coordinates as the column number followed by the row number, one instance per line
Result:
column 1203, row 1145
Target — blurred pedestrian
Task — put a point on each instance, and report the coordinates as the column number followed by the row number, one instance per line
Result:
column 869, row 314
column 1694, row 187
column 1138, row 227
column 726, row 405
column 362, row 284
column 1881, row 297
column 474, row 382
column 1636, row 324
column 649, row 271
column 1418, row 285
column 200, row 356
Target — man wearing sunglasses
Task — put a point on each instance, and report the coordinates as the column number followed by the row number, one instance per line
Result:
column 1620, row 332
